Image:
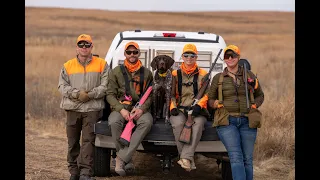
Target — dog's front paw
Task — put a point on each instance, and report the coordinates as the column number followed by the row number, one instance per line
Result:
column 167, row 121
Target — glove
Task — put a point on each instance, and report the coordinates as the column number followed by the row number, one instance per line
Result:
column 216, row 104
column 174, row 112
column 83, row 96
column 196, row 110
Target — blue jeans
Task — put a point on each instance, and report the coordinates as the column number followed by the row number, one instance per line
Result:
column 239, row 141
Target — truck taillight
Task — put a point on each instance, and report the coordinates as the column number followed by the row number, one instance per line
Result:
column 168, row 35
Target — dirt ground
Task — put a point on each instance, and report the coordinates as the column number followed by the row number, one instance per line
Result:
column 46, row 159
column 46, row 152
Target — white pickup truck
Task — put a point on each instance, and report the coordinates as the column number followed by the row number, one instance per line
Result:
column 160, row 139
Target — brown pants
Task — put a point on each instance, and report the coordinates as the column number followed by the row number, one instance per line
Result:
column 186, row 151
column 81, row 159
column 143, row 126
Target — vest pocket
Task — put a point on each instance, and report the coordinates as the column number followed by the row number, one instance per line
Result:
column 221, row 117
column 254, row 118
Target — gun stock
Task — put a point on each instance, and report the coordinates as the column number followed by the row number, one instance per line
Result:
column 186, row 133
column 127, row 132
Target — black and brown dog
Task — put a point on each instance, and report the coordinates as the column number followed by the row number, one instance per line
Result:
column 162, row 83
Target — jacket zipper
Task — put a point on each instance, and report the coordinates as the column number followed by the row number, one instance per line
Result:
column 84, row 78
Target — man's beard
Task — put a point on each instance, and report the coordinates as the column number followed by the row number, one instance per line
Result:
column 134, row 61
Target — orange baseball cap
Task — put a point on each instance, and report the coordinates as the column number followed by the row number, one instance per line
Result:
column 84, row 37
column 233, row 48
column 190, row 48
column 132, row 44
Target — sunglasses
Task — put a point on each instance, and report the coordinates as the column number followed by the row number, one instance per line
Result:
column 189, row 55
column 233, row 55
column 87, row 45
column 134, row 52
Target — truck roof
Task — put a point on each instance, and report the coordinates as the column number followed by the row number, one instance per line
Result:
column 177, row 36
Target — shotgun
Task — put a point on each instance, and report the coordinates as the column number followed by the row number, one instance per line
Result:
column 246, row 84
column 127, row 132
column 185, row 135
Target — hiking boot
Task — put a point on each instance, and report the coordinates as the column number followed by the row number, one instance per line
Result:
column 74, row 177
column 85, row 177
column 129, row 167
column 120, row 166
column 185, row 164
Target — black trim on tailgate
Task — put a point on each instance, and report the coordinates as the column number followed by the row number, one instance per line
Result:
column 166, row 39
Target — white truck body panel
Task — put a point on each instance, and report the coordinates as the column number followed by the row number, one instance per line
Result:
column 152, row 43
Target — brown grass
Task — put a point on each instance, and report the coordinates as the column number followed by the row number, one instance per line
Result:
column 265, row 38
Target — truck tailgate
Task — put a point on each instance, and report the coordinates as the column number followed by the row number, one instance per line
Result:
column 160, row 131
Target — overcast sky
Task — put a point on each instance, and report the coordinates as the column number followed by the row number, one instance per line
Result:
column 170, row 5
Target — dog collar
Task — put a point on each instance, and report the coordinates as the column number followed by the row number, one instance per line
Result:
column 163, row 74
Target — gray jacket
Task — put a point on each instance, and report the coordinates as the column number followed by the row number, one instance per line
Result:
column 91, row 77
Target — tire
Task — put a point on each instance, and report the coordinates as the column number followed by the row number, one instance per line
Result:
column 101, row 165
column 226, row 170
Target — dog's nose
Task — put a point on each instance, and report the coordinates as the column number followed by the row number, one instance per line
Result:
column 162, row 63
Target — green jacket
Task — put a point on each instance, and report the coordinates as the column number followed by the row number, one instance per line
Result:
column 116, row 88
column 233, row 101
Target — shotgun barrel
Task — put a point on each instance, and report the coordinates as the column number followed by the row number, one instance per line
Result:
column 246, row 84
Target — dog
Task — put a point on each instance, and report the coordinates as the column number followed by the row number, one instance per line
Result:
column 162, row 84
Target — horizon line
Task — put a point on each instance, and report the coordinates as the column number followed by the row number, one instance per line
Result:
column 59, row 7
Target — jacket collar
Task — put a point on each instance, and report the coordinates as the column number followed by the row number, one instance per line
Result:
column 88, row 60
column 240, row 71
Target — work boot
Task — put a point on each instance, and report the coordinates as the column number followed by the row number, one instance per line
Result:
column 129, row 167
column 86, row 177
column 120, row 166
column 185, row 164
column 74, row 177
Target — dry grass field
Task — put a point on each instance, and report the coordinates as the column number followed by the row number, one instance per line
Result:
column 267, row 39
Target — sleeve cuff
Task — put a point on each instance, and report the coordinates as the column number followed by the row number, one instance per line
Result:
column 118, row 107
column 91, row 94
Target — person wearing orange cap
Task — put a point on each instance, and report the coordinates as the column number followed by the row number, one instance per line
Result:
column 235, row 120
column 82, row 83
column 188, row 81
column 126, row 84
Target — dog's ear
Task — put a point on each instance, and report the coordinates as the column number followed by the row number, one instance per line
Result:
column 169, row 60
column 154, row 63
